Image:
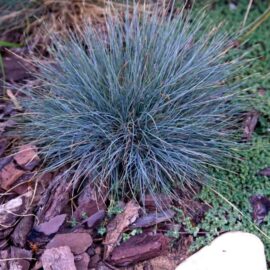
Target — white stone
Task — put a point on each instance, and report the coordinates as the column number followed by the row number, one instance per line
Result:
column 230, row 251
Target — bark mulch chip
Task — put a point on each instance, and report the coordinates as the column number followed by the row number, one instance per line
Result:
column 250, row 124
column 117, row 226
column 138, row 248
column 60, row 258
column 265, row 172
column 78, row 242
column 52, row 226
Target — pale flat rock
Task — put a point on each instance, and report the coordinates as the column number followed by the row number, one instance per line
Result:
column 230, row 251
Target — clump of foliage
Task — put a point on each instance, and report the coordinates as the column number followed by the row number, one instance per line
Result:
column 146, row 109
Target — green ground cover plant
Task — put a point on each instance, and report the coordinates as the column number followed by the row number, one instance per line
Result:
column 237, row 187
column 230, row 206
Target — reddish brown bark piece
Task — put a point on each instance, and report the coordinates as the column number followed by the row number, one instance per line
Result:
column 95, row 219
column 250, row 124
column 103, row 266
column 261, row 207
column 9, row 174
column 3, row 244
column 265, row 172
column 59, row 258
column 22, row 184
column 161, row 263
column 86, row 195
column 43, row 182
column 157, row 201
column 9, row 211
column 195, row 209
column 27, row 157
column 5, row 232
column 20, row 264
column 78, row 242
column 88, row 209
column 7, row 124
column 22, row 230
column 54, row 199
column 152, row 219
column 15, row 68
column 3, row 146
column 139, row 248
column 94, row 261
column 4, row 254
column 52, row 226
column 89, row 203
column 116, row 227
column 82, row 261
column 4, row 161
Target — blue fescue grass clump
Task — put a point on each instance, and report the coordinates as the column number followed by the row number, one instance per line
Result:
column 146, row 108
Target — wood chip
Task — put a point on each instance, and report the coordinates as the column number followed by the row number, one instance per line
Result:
column 27, row 157
column 10, row 211
column 3, row 146
column 159, row 263
column 250, row 124
column 7, row 124
column 22, row 230
column 54, row 199
column 89, row 203
column 52, row 226
column 78, row 242
column 95, row 219
column 15, row 68
column 4, row 161
column 116, row 227
column 156, row 202
column 24, row 262
column 82, row 261
column 3, row 244
column 153, row 219
column 139, row 248
column 265, row 172
column 4, row 254
column 9, row 174
column 261, row 207
column 60, row 258
column 23, row 182
column 5, row 233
